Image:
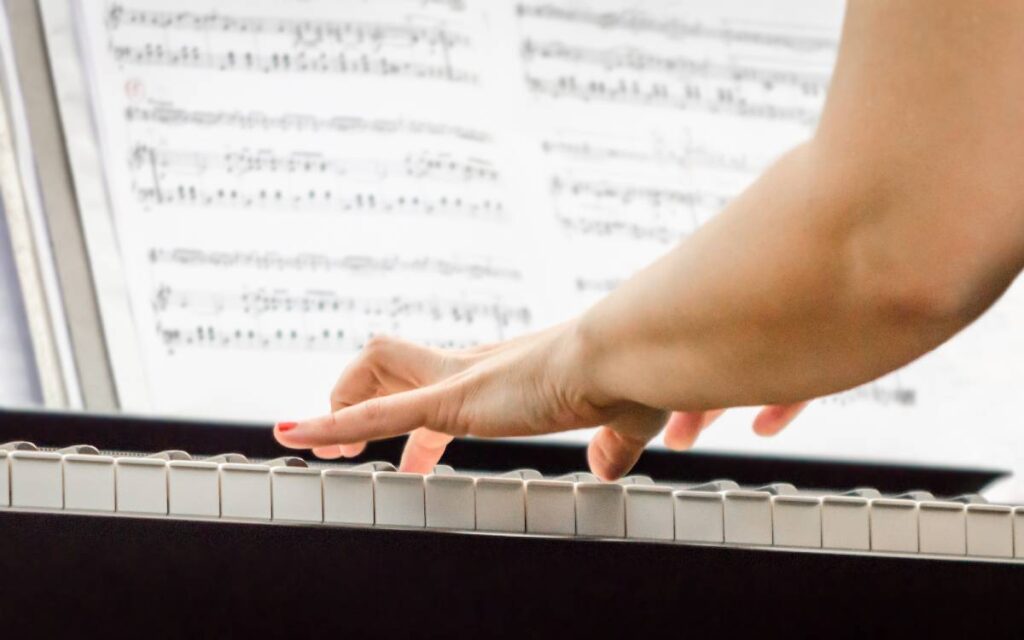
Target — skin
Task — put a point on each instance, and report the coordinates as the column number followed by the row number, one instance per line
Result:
column 889, row 231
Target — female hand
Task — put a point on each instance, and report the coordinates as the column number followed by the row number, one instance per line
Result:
column 531, row 385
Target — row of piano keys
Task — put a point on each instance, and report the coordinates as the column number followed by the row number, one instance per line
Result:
column 173, row 483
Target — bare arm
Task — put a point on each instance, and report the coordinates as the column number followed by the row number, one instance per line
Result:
column 892, row 229
column 888, row 232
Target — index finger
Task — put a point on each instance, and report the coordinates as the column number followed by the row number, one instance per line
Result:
column 373, row 419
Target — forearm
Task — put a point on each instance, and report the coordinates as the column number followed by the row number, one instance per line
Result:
column 900, row 222
column 770, row 302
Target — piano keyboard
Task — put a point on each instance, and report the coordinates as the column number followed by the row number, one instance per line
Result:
column 173, row 484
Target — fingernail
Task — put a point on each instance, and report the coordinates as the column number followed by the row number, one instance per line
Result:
column 285, row 426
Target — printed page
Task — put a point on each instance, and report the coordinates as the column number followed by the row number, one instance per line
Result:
column 290, row 178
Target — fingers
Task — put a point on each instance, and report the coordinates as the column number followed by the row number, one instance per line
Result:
column 423, row 450
column 611, row 454
column 385, row 366
column 775, row 418
column 374, row 419
column 684, row 427
column 351, row 450
column 330, row 452
column 617, row 446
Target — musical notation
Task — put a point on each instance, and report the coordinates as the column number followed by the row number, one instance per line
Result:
column 688, row 156
column 263, row 301
column 363, row 264
column 688, row 71
column 639, row 23
column 301, row 32
column 614, row 194
column 384, row 49
column 886, row 392
column 192, row 194
column 635, row 59
column 169, row 115
column 439, row 166
column 637, row 212
column 319, row 318
column 282, row 62
column 225, row 336
column 596, row 285
column 596, row 227
column 636, row 92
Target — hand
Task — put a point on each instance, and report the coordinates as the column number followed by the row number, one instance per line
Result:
column 527, row 386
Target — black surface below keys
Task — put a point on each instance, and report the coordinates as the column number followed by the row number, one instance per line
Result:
column 67, row 575
column 57, row 429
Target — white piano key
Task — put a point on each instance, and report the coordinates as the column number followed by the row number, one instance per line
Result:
column 18, row 445
column 942, row 527
column 600, row 509
column 525, row 474
column 780, row 489
column 245, row 491
column 450, row 501
column 989, row 530
column 5, row 480
column 916, row 496
column 894, row 525
column 500, row 504
column 89, row 483
column 635, row 479
column 37, row 479
column 845, row 522
column 296, row 494
column 229, row 458
column 82, row 449
column 349, row 493
column 399, row 499
column 796, row 521
column 348, row 496
column 550, row 507
column 971, row 498
column 1018, row 532
column 748, row 517
column 287, row 461
column 699, row 516
column 864, row 492
column 578, row 476
column 193, row 488
column 171, row 454
column 141, row 485
column 649, row 512
column 5, row 468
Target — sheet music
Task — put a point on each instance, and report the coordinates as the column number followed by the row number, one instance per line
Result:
column 290, row 178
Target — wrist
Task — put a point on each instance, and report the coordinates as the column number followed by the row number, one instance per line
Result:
column 584, row 357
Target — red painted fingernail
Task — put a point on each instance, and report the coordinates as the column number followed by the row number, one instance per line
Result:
column 286, row 426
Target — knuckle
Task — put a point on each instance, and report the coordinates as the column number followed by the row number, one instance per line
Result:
column 374, row 411
column 449, row 414
column 376, row 346
column 336, row 394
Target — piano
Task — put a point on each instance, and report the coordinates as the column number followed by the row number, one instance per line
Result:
column 174, row 527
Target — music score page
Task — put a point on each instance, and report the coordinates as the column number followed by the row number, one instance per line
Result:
column 287, row 179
